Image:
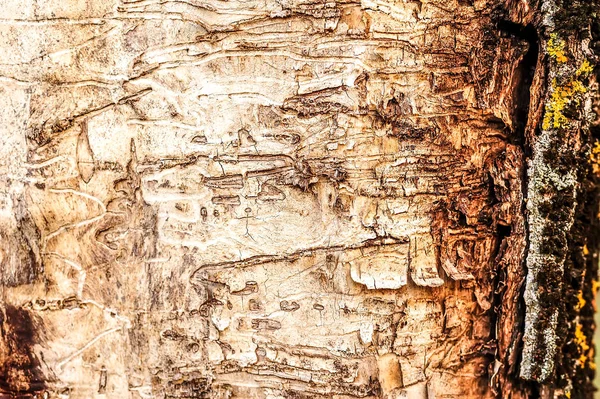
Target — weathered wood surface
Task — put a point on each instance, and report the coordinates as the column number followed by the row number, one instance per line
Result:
column 277, row 199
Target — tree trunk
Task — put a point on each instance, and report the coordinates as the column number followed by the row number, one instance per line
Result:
column 298, row 199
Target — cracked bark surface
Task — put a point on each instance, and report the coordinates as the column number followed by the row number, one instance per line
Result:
column 291, row 199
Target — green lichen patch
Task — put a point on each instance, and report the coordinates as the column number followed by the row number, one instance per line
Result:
column 556, row 344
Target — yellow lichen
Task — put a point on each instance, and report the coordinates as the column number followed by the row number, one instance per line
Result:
column 585, row 69
column 577, row 87
column 595, row 158
column 582, row 301
column 567, row 91
column 581, row 341
column 561, row 96
column 554, row 118
column 580, row 337
column 586, row 251
column 556, row 48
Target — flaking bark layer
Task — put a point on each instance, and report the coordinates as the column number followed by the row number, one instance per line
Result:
column 291, row 199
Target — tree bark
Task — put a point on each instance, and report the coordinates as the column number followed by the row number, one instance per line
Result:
column 298, row 199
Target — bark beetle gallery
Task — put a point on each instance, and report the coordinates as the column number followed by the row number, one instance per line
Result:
column 298, row 198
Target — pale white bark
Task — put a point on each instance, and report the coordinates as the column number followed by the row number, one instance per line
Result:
column 256, row 199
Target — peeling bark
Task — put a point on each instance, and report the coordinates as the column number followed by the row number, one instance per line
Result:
column 298, row 199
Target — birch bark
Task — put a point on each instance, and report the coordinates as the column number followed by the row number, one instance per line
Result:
column 297, row 199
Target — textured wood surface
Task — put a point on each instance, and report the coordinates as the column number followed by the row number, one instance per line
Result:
column 264, row 199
